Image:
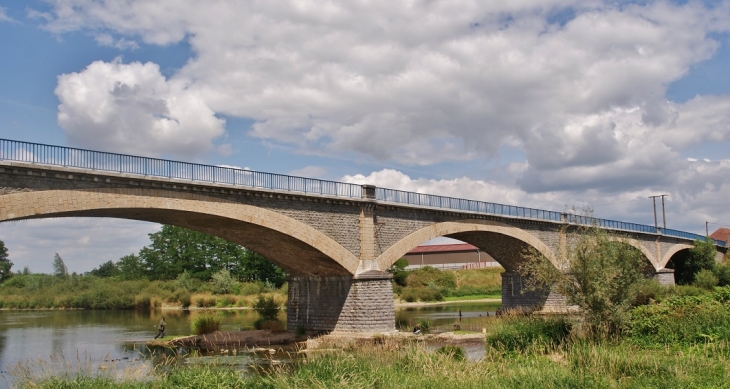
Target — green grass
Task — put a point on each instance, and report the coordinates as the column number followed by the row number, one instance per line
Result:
column 473, row 297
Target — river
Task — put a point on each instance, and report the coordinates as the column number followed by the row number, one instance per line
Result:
column 68, row 339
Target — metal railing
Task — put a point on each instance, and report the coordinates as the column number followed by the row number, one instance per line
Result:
column 427, row 200
column 129, row 164
column 98, row 160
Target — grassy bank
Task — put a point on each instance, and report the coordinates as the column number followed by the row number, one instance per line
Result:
column 430, row 284
column 678, row 341
column 41, row 291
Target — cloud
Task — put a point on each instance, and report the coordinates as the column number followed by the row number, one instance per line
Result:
column 579, row 87
column 121, row 43
column 132, row 108
column 83, row 243
column 697, row 193
column 4, row 16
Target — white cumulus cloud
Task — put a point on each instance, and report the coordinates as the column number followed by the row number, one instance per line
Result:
column 136, row 110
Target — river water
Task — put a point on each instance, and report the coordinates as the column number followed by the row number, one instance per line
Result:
column 55, row 340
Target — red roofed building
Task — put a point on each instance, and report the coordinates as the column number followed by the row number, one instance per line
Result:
column 449, row 256
column 722, row 234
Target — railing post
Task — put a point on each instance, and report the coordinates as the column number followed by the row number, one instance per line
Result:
column 368, row 192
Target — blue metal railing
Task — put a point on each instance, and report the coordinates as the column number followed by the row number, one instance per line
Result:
column 427, row 200
column 120, row 163
column 113, row 162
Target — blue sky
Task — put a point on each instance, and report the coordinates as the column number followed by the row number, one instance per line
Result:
column 542, row 104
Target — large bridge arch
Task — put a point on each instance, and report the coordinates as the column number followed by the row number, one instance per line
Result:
column 291, row 244
column 468, row 231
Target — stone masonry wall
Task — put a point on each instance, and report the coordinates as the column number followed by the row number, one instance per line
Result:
column 337, row 218
column 514, row 295
column 341, row 304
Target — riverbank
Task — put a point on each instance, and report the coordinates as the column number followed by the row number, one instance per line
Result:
column 418, row 304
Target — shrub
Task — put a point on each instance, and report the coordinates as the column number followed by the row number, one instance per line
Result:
column 225, row 301
column 722, row 272
column 266, row 307
column 520, row 334
column 429, row 276
column 142, row 302
column 411, row 294
column 205, row 322
column 706, row 279
column 683, row 319
column 222, row 282
column 649, row 291
column 183, row 297
column 250, row 288
column 604, row 278
column 272, row 325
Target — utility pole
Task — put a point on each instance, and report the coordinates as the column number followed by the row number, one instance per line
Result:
column 707, row 230
column 653, row 199
column 664, row 215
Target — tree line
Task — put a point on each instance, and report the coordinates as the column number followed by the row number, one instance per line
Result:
column 176, row 250
column 173, row 251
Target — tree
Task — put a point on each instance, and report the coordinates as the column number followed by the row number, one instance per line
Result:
column 59, row 268
column 688, row 264
column 5, row 263
column 106, row 269
column 222, row 282
column 399, row 271
column 175, row 250
column 601, row 275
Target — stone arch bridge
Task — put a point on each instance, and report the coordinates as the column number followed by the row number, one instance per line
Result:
column 336, row 240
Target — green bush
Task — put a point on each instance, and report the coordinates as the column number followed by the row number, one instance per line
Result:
column 225, row 301
column 222, row 282
column 272, row 325
column 650, row 290
column 183, row 297
column 250, row 288
column 428, row 276
column 266, row 307
column 722, row 272
column 683, row 320
column 205, row 322
column 411, row 294
column 706, row 279
column 531, row 333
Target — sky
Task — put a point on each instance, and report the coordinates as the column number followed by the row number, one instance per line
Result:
column 555, row 104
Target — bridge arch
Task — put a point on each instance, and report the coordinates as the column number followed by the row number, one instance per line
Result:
column 468, row 231
column 291, row 244
column 651, row 259
column 672, row 251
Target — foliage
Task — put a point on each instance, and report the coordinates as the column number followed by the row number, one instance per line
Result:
column 222, row 282
column 601, row 275
column 59, row 268
column 699, row 257
column 266, row 307
column 398, row 270
column 722, row 272
column 684, row 319
column 5, row 263
column 529, row 333
column 205, row 322
column 431, row 277
column 706, row 279
column 106, row 269
column 420, row 293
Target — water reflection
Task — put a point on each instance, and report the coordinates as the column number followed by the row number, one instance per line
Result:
column 469, row 315
column 118, row 339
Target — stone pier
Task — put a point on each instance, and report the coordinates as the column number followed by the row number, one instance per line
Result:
column 363, row 303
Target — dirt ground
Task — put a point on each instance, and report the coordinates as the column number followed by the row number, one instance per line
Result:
column 237, row 340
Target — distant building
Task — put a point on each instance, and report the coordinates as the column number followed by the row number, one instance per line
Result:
column 722, row 234
column 449, row 256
